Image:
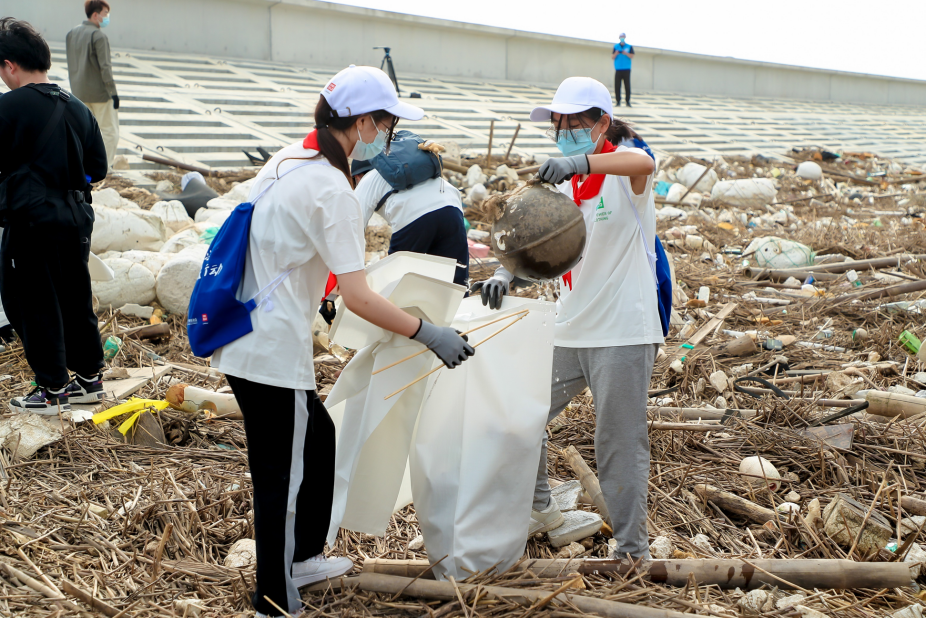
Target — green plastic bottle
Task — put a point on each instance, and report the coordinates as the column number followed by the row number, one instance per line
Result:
column 111, row 347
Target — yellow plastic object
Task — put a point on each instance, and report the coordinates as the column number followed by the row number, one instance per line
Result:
column 132, row 405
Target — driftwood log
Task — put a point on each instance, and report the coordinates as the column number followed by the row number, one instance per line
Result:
column 725, row 573
column 913, row 505
column 734, row 504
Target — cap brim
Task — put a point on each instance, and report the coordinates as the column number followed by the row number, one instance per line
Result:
column 406, row 111
column 539, row 114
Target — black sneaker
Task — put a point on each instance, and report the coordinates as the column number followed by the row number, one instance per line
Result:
column 84, row 391
column 41, row 401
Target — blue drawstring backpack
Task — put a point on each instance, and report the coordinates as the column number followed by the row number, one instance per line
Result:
column 216, row 317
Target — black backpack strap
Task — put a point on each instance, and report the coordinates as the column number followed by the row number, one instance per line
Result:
column 48, row 130
column 383, row 200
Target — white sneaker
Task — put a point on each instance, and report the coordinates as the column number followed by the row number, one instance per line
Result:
column 319, row 569
column 545, row 520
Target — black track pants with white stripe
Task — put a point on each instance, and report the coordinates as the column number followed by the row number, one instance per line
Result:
column 291, row 455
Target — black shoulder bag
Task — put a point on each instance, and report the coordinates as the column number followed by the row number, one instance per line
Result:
column 24, row 190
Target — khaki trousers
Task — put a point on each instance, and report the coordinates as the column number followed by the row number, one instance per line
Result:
column 108, row 118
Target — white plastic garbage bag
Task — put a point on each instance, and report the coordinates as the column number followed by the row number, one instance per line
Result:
column 690, row 174
column 176, row 279
column 173, row 214
column 181, row 240
column 374, row 433
column 216, row 216
column 774, row 252
column 745, row 192
column 124, row 230
column 110, row 198
column 152, row 260
column 477, row 445
column 131, row 283
column 475, row 454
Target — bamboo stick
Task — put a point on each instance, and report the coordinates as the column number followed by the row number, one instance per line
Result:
column 420, row 352
column 589, row 481
column 89, row 599
column 894, row 404
column 439, row 367
column 447, row 591
column 726, row 573
column 656, row 425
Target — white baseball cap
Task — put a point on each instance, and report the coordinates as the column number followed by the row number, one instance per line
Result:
column 361, row 90
column 574, row 95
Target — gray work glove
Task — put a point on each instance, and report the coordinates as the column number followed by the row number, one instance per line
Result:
column 556, row 171
column 444, row 341
column 493, row 288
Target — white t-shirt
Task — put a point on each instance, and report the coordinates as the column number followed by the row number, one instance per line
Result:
column 403, row 207
column 613, row 297
column 309, row 221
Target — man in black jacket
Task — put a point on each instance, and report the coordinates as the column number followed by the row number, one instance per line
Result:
column 51, row 150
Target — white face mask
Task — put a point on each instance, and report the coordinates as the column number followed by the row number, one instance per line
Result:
column 363, row 151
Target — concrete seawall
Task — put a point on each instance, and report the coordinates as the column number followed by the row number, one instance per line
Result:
column 315, row 33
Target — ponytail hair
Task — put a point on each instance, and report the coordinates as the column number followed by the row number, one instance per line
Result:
column 327, row 120
column 617, row 132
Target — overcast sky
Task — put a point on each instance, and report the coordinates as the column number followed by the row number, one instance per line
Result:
column 884, row 37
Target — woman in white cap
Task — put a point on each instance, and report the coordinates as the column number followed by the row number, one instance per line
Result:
column 306, row 222
column 608, row 327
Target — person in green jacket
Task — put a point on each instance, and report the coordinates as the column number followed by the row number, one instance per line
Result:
column 90, row 70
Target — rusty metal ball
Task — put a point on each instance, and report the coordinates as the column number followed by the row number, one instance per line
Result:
column 538, row 233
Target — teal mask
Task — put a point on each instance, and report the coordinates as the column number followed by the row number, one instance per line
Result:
column 363, row 151
column 576, row 142
column 105, row 22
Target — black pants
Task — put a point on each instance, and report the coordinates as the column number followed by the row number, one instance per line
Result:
column 440, row 233
column 291, row 455
column 47, row 298
column 621, row 76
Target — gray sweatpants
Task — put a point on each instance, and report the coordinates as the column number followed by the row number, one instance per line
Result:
column 618, row 378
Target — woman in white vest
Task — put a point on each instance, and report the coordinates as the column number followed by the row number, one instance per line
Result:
column 307, row 222
column 607, row 323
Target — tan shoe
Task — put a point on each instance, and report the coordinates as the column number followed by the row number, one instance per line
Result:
column 545, row 520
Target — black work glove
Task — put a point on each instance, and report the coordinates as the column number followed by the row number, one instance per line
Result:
column 557, row 170
column 115, row 101
column 447, row 343
column 493, row 289
column 328, row 311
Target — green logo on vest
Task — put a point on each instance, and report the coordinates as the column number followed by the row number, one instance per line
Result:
column 600, row 213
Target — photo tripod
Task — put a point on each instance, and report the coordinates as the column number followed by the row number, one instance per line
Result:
column 389, row 68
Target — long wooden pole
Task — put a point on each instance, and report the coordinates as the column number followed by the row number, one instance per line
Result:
column 399, row 362
column 836, row 267
column 447, row 591
column 726, row 573
column 513, row 138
